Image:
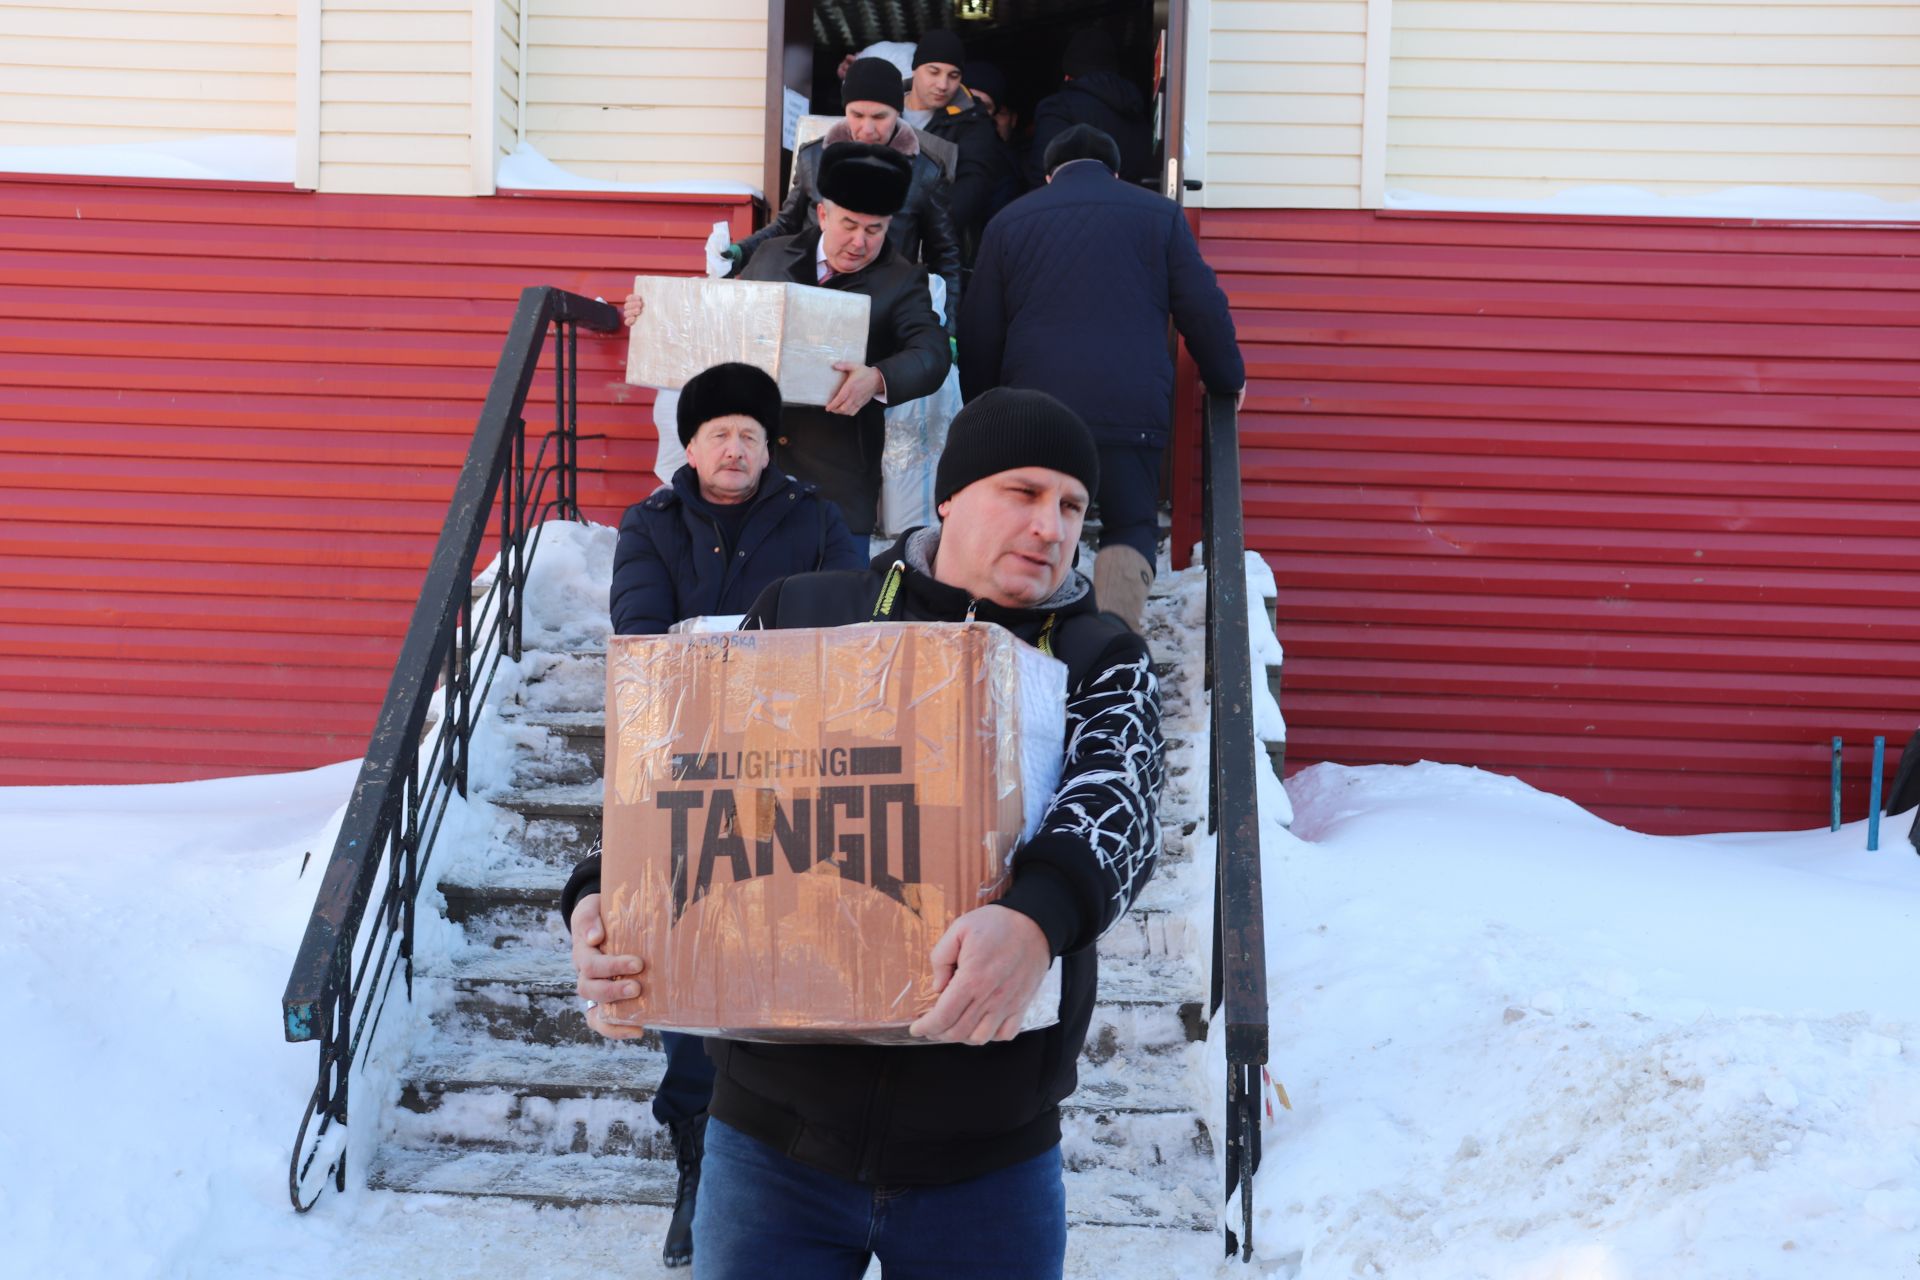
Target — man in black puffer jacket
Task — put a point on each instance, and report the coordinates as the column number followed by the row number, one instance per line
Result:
column 1097, row 94
column 708, row 544
column 945, row 1156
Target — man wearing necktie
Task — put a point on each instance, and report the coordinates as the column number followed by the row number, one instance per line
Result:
column 838, row 447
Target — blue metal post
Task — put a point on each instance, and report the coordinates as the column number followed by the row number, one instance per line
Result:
column 1873, row 803
column 1836, row 786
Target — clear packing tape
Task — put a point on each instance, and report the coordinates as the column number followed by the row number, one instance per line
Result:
column 793, row 331
column 794, row 818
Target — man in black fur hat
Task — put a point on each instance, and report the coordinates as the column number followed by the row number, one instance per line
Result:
column 922, row 229
column 861, row 188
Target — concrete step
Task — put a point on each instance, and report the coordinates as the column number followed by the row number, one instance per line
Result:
column 596, row 1099
column 526, row 993
column 497, row 908
column 1105, row 1197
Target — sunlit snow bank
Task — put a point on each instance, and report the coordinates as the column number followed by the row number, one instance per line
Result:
column 1522, row 1042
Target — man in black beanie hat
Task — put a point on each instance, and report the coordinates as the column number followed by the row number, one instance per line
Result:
column 708, row 544
column 963, row 1130
column 939, row 103
column 859, row 189
column 922, row 229
column 1097, row 94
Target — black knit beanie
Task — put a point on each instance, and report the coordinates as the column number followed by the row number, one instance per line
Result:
column 940, row 45
column 727, row 389
column 1091, row 49
column 873, row 80
column 1008, row 428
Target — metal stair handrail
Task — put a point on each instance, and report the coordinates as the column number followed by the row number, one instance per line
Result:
column 1239, row 986
column 408, row 780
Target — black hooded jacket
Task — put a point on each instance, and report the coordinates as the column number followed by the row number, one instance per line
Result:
column 1110, row 103
column 928, row 1114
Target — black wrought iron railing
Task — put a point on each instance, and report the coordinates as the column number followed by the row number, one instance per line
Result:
column 350, row 956
column 1239, row 989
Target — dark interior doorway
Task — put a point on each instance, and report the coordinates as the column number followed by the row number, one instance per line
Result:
column 1025, row 39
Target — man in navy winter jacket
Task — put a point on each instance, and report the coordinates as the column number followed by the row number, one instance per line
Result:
column 728, row 524
column 709, row 543
column 1071, row 295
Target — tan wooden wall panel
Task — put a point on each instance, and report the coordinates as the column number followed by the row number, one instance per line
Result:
column 647, row 91
column 396, row 98
column 89, row 72
column 1522, row 100
column 506, row 77
column 1282, row 85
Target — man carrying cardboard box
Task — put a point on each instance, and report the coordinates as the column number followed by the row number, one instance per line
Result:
column 861, row 188
column 943, row 1159
column 708, row 544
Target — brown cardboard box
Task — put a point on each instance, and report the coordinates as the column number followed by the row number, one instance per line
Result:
column 793, row 818
column 794, row 331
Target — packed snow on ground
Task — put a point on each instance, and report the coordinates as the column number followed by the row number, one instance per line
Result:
column 235, row 158
column 1519, row 1042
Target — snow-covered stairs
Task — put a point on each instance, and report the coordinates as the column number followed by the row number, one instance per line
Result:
column 512, row 1096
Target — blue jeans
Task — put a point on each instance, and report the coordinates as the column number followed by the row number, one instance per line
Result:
column 688, row 1082
column 762, row 1214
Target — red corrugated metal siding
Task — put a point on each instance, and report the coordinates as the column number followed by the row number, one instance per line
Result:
column 1626, row 508
column 231, row 425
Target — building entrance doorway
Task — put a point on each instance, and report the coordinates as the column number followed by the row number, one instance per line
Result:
column 1019, row 49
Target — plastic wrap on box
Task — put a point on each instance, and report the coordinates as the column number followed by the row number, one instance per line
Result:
column 916, row 433
column 794, row 818
column 793, row 331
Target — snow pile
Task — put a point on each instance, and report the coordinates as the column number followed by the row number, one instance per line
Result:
column 238, row 158
column 1522, row 1042
column 527, row 169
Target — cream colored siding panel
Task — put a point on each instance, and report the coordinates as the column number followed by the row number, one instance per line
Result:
column 1306, row 108
column 100, row 72
column 650, row 63
column 598, row 91
column 665, row 33
column 445, row 151
column 1641, row 168
column 381, row 179
column 181, row 57
column 1289, row 77
column 1526, row 99
column 402, row 91
column 439, row 120
column 398, row 109
column 109, row 113
column 1601, row 77
column 157, row 28
column 617, row 149
column 647, row 90
column 1283, row 102
column 1815, row 18
column 1631, row 51
column 1660, row 108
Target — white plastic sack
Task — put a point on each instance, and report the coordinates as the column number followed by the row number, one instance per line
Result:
column 916, row 433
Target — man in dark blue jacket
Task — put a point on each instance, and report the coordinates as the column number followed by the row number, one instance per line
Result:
column 1071, row 296
column 708, row 544
column 728, row 524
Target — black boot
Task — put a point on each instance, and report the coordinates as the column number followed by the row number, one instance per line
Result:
column 689, row 1140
